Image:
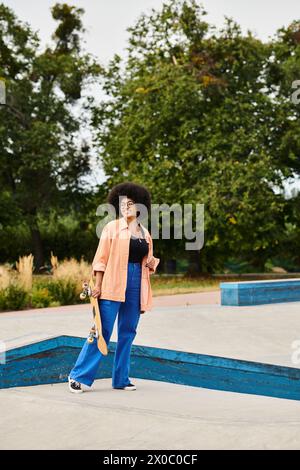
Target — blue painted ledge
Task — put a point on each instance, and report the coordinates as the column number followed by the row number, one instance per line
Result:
column 50, row 361
column 260, row 292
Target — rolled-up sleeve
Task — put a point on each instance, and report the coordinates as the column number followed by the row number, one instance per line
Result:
column 102, row 254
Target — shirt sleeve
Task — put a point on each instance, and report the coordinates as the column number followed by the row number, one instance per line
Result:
column 101, row 256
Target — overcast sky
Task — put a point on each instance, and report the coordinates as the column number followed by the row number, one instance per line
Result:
column 106, row 20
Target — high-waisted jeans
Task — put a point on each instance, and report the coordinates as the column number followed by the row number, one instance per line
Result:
column 88, row 361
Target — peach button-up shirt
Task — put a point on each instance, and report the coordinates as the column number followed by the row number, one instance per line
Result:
column 112, row 257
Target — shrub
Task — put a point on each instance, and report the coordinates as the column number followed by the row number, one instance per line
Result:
column 13, row 298
column 71, row 270
column 41, row 297
column 63, row 291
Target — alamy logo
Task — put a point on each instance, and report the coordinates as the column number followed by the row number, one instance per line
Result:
column 186, row 224
column 2, row 92
column 296, row 94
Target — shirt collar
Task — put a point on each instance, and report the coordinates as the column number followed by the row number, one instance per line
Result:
column 123, row 224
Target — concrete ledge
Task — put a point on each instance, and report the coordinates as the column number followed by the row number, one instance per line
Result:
column 50, row 361
column 260, row 292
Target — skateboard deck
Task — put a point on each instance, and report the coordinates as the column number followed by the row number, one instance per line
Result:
column 96, row 330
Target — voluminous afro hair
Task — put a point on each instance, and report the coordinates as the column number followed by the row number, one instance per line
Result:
column 138, row 193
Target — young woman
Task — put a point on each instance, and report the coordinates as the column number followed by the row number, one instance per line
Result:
column 122, row 265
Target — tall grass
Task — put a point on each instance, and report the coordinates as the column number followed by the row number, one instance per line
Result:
column 5, row 276
column 20, row 289
column 15, row 285
column 73, row 271
column 25, row 268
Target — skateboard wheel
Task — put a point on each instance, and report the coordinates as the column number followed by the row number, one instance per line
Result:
column 90, row 339
column 82, row 296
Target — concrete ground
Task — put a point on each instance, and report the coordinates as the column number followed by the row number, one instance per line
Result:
column 158, row 415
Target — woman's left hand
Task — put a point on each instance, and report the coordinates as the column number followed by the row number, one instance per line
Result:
column 151, row 263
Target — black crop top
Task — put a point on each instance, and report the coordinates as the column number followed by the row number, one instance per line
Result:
column 138, row 248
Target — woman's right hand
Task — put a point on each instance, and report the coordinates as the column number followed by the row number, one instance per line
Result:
column 96, row 291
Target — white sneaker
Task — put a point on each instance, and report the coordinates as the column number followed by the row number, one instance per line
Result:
column 129, row 387
column 74, row 386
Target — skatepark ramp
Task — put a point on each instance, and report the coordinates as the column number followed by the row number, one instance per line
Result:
column 49, row 361
column 260, row 292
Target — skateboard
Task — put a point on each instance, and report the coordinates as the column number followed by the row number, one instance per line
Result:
column 96, row 330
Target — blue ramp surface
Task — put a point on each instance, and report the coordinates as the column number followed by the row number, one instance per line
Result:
column 50, row 361
column 260, row 292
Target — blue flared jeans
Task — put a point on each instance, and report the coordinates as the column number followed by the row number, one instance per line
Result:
column 89, row 358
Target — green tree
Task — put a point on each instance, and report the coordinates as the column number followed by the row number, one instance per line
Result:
column 190, row 113
column 43, row 156
column 283, row 74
